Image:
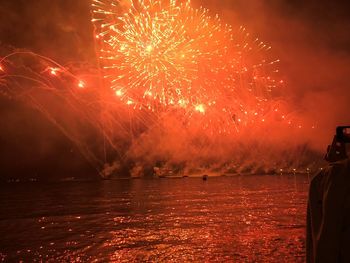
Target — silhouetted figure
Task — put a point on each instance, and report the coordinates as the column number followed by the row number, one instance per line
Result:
column 328, row 213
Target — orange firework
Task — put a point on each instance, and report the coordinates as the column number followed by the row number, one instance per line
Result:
column 198, row 81
column 168, row 54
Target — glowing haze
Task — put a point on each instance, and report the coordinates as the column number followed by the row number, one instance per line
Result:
column 174, row 87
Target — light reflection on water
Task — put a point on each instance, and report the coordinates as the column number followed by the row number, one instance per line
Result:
column 240, row 219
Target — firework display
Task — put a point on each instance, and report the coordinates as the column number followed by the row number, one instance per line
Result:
column 173, row 85
column 167, row 54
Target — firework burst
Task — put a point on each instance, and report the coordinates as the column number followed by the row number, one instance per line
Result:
column 157, row 53
column 169, row 54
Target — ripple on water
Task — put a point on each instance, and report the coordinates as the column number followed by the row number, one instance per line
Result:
column 245, row 219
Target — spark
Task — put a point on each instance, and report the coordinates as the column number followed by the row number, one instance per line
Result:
column 200, row 108
column 119, row 93
column 53, row 71
column 149, row 48
column 81, row 84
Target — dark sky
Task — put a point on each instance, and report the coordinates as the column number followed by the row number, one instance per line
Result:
column 310, row 37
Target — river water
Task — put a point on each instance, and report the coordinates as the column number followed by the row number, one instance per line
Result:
column 224, row 219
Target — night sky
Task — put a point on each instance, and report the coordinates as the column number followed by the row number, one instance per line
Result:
column 310, row 37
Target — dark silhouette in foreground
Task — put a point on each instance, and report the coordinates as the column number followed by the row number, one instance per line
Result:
column 328, row 213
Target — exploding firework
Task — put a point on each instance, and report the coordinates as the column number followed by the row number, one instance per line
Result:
column 182, row 89
column 168, row 54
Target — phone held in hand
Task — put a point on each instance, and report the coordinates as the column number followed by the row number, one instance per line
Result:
column 343, row 134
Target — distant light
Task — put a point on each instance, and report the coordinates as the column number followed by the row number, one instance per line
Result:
column 148, row 93
column 81, row 84
column 53, row 71
column 119, row 93
column 182, row 103
column 122, row 47
column 149, row 48
column 1, row 68
column 129, row 102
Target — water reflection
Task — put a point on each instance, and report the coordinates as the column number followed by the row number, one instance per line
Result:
column 253, row 218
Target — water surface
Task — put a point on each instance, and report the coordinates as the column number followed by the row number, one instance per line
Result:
column 240, row 219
